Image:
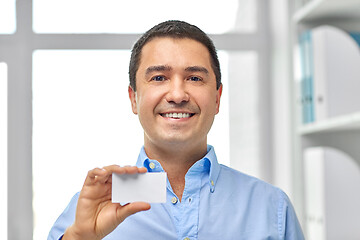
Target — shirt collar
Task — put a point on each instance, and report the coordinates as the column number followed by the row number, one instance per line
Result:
column 208, row 163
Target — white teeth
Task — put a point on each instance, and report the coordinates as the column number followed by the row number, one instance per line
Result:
column 177, row 115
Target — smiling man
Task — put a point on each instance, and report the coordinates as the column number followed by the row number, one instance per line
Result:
column 175, row 89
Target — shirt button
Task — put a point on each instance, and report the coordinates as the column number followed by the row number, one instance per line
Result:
column 212, row 183
column 152, row 165
column 174, row 200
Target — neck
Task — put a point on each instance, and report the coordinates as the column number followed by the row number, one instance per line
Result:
column 176, row 161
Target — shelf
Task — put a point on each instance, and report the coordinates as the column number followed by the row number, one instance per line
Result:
column 327, row 9
column 347, row 122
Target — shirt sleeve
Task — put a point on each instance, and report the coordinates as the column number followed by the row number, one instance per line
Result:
column 65, row 220
column 289, row 226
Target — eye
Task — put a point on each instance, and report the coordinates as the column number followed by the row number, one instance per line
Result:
column 195, row 79
column 158, row 78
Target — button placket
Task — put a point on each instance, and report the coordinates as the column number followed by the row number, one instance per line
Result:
column 212, row 186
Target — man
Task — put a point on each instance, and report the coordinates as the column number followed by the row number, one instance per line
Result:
column 175, row 89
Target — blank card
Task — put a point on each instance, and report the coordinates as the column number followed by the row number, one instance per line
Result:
column 143, row 187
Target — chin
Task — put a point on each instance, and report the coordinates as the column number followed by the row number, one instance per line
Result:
column 176, row 140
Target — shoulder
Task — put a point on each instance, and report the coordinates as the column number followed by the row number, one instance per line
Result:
column 241, row 180
column 254, row 191
column 264, row 203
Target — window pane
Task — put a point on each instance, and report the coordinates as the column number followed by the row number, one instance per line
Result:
column 244, row 112
column 7, row 17
column 81, row 119
column 3, row 150
column 136, row 16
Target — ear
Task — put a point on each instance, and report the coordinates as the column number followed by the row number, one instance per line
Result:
column 132, row 97
column 218, row 96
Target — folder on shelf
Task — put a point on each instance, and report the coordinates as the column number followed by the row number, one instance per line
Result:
column 303, row 73
column 332, row 194
column 306, row 77
column 356, row 37
column 310, row 78
column 336, row 58
column 331, row 73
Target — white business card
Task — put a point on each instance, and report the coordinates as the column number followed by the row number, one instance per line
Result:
column 143, row 187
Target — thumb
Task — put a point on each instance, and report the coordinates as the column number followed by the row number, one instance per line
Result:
column 131, row 208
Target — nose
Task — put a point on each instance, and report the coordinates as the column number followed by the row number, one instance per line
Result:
column 177, row 92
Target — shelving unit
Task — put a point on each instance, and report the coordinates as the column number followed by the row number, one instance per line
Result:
column 312, row 14
column 336, row 124
column 341, row 132
column 316, row 10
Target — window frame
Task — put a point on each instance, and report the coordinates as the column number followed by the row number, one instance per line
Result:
column 3, row 148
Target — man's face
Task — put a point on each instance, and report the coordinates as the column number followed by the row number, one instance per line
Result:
column 176, row 96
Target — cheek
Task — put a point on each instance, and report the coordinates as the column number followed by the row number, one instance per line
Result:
column 207, row 102
column 147, row 101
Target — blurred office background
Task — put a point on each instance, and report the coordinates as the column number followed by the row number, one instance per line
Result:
column 64, row 106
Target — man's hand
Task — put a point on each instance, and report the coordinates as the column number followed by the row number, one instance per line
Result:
column 96, row 215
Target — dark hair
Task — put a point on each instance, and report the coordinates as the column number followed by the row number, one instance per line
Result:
column 173, row 29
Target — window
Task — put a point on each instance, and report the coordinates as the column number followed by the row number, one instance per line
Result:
column 3, row 150
column 136, row 16
column 7, row 17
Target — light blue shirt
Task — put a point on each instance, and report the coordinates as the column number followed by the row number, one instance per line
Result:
column 218, row 203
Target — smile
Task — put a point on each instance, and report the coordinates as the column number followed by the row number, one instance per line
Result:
column 177, row 115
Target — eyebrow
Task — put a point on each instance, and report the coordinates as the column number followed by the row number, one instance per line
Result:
column 197, row 69
column 158, row 68
column 167, row 68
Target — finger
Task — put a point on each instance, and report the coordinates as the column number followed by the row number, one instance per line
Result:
column 142, row 170
column 131, row 170
column 115, row 169
column 96, row 172
column 103, row 175
column 125, row 170
column 96, row 175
